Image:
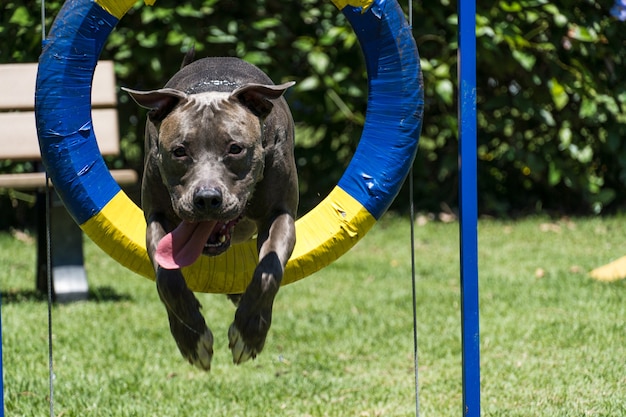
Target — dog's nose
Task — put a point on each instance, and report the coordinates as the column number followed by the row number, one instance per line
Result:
column 207, row 198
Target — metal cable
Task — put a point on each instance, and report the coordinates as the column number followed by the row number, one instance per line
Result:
column 48, row 254
column 413, row 274
column 414, row 291
column 50, row 297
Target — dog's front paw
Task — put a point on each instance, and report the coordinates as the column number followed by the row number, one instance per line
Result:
column 248, row 332
column 240, row 350
column 194, row 343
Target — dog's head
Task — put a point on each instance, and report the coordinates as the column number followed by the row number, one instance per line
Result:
column 210, row 146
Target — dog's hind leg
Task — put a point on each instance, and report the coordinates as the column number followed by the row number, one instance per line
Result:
column 234, row 298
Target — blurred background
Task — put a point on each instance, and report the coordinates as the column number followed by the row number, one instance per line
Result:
column 551, row 93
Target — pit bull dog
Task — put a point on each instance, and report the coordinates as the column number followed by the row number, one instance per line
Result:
column 219, row 169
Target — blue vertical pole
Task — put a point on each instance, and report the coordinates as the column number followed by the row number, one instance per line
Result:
column 468, row 208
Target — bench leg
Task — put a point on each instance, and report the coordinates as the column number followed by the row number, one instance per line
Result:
column 69, row 280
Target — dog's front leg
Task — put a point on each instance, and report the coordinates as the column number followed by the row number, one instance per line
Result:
column 254, row 315
column 192, row 336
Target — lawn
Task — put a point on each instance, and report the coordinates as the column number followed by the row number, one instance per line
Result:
column 553, row 341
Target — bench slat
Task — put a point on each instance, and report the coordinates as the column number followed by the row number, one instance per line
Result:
column 17, row 83
column 37, row 180
column 19, row 142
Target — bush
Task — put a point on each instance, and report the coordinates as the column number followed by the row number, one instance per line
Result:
column 551, row 93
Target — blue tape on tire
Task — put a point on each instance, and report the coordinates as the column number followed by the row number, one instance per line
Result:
column 63, row 108
column 394, row 107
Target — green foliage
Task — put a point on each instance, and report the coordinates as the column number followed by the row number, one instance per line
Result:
column 551, row 95
column 551, row 106
column 555, row 113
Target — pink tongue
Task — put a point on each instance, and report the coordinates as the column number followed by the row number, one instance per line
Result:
column 183, row 245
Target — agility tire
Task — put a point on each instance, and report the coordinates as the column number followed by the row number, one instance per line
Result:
column 107, row 215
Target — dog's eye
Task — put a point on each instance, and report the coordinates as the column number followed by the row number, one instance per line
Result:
column 179, row 152
column 235, row 149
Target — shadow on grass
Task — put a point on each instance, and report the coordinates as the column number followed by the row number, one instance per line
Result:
column 98, row 294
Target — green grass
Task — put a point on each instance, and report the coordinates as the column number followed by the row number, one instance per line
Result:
column 553, row 341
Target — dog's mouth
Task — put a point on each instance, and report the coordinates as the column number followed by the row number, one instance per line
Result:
column 184, row 245
column 219, row 239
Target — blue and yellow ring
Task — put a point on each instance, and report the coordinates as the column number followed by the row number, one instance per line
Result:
column 105, row 213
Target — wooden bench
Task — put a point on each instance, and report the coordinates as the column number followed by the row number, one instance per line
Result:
column 19, row 142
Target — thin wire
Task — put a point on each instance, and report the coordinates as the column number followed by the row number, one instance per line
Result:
column 414, row 291
column 48, row 253
column 43, row 20
column 50, row 298
column 413, row 274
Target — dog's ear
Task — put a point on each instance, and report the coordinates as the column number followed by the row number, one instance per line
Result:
column 256, row 97
column 159, row 102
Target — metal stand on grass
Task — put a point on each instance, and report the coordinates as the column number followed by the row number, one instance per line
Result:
column 468, row 215
column 468, row 197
